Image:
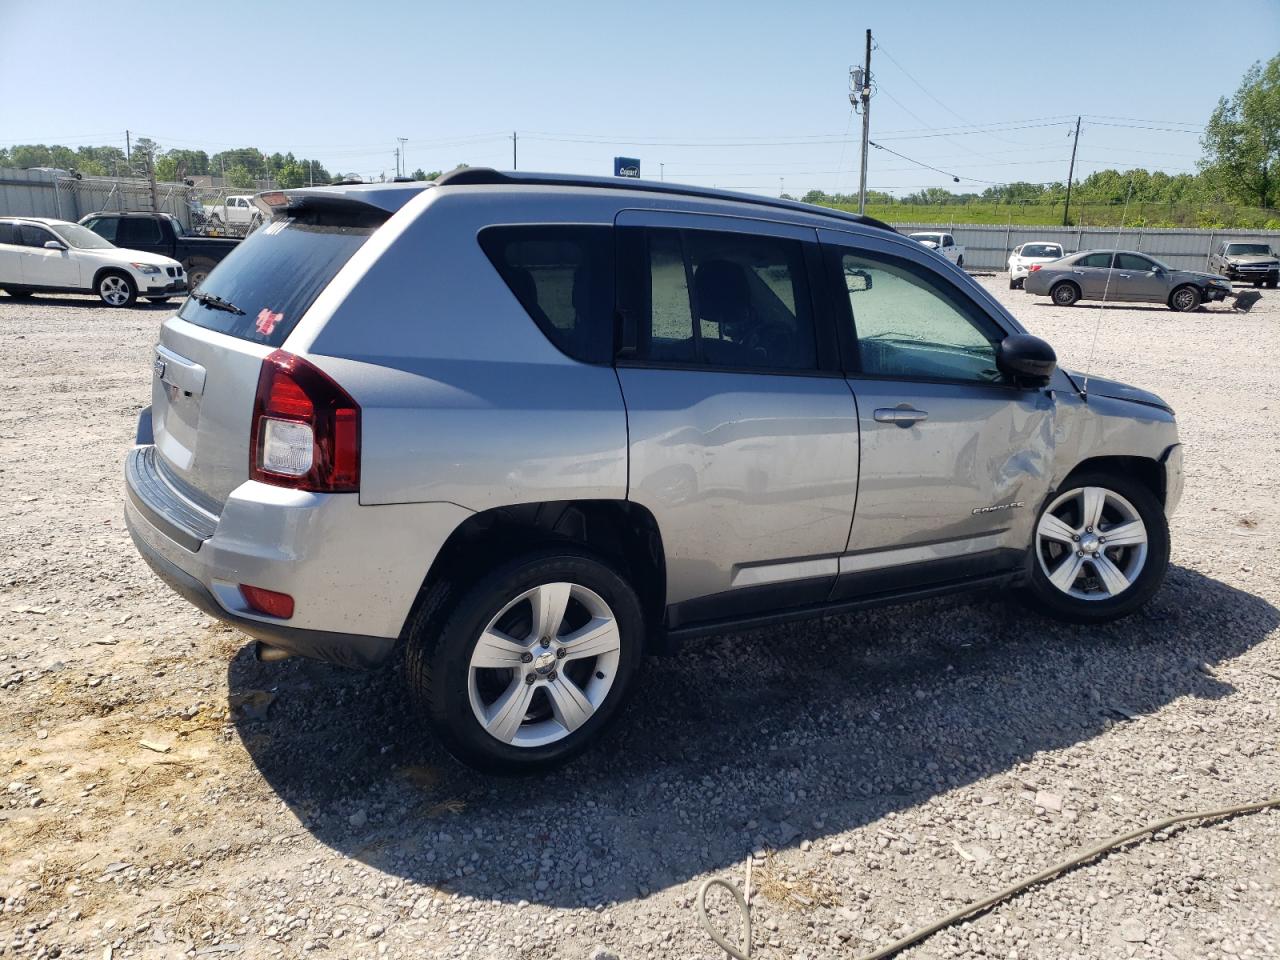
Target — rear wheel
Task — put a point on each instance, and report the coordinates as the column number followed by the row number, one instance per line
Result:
column 1101, row 549
column 530, row 663
column 1065, row 293
column 960, row 261
column 197, row 269
column 117, row 290
column 1185, row 299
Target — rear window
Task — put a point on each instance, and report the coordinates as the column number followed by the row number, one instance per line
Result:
column 1041, row 250
column 274, row 276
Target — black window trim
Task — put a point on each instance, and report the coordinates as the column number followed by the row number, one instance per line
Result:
column 833, row 255
column 49, row 235
column 629, row 273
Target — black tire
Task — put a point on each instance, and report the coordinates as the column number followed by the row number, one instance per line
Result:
column 1013, row 284
column 197, row 269
column 1065, row 293
column 18, row 294
column 1040, row 591
column 1185, row 299
column 960, row 261
column 1273, row 283
column 444, row 632
column 1257, row 283
column 116, row 288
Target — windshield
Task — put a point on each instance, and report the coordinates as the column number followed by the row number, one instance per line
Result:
column 1042, row 250
column 81, row 237
column 271, row 278
column 1243, row 249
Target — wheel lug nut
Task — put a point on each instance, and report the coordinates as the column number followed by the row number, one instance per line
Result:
column 529, row 678
column 546, row 641
column 1076, row 537
column 551, row 675
column 560, row 654
column 526, row 658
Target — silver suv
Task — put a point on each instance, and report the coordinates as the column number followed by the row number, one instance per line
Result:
column 530, row 428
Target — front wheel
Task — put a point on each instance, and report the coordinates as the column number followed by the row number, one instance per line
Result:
column 1101, row 548
column 1185, row 299
column 1273, row 283
column 117, row 290
column 530, row 664
column 960, row 261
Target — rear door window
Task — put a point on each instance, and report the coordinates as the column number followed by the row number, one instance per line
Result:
column 137, row 231
column 8, row 233
column 1096, row 260
column 273, row 277
column 562, row 274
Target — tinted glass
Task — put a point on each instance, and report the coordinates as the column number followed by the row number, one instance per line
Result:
column 1131, row 261
column 8, row 233
column 730, row 300
column 1241, row 249
column 32, row 236
column 137, row 230
column 912, row 324
column 105, row 227
column 1095, row 260
column 277, row 273
column 563, row 277
column 1041, row 250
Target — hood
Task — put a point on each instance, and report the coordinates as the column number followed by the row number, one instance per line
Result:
column 1117, row 391
column 123, row 255
column 1250, row 258
column 932, row 245
column 1202, row 276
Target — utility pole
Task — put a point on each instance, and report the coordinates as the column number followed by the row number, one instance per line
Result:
column 128, row 153
column 860, row 95
column 397, row 153
column 404, row 160
column 662, row 171
column 514, row 144
column 1071, row 172
column 782, row 187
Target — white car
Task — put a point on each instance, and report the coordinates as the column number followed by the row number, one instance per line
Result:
column 238, row 211
column 1027, row 254
column 943, row 243
column 40, row 255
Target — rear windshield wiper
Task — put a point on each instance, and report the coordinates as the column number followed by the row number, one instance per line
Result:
column 215, row 302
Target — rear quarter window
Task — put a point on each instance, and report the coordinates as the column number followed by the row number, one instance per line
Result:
column 562, row 274
column 274, row 276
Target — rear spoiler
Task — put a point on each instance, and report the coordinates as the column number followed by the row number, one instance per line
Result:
column 352, row 196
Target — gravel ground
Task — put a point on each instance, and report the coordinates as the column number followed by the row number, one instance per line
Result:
column 165, row 795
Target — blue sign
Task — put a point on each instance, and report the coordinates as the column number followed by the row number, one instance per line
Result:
column 626, row 167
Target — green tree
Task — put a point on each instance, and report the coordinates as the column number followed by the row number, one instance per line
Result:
column 240, row 176
column 292, row 175
column 421, row 174
column 1242, row 139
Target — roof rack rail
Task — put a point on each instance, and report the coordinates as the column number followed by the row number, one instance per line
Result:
column 473, row 176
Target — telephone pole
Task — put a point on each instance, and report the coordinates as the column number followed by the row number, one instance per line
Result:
column 128, row 153
column 1071, row 172
column 514, row 144
column 404, row 160
column 860, row 95
column 397, row 152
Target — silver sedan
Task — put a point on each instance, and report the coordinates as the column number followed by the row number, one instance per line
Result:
column 1123, row 275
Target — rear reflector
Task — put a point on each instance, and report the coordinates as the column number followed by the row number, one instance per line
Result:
column 1034, row 268
column 268, row 601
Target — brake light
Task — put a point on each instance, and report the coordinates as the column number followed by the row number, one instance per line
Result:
column 1034, row 267
column 305, row 431
column 270, row 602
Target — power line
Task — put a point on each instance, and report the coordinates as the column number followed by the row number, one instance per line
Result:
column 920, row 163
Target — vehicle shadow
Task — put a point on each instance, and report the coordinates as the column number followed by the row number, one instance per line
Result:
column 91, row 301
column 770, row 737
column 1138, row 307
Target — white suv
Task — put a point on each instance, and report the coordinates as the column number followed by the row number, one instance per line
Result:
column 40, row 255
column 1027, row 255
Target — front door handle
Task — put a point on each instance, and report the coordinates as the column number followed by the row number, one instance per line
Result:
column 903, row 416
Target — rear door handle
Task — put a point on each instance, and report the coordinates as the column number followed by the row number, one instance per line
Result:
column 903, row 416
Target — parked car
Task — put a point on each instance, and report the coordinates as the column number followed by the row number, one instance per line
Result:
column 237, row 211
column 944, row 243
column 40, row 255
column 1254, row 263
column 163, row 234
column 404, row 415
column 1125, row 276
column 1026, row 255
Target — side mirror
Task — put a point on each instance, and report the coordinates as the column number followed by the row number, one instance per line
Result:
column 1026, row 360
column 54, row 245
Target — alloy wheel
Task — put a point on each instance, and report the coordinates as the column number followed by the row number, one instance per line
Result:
column 544, row 664
column 115, row 291
column 1091, row 543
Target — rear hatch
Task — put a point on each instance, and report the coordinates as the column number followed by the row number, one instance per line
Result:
column 210, row 355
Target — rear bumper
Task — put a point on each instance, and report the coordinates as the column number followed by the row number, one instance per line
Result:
column 353, row 571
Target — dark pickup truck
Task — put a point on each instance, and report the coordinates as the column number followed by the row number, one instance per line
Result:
column 163, row 234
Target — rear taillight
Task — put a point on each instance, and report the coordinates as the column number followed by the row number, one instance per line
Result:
column 1033, row 268
column 305, row 432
